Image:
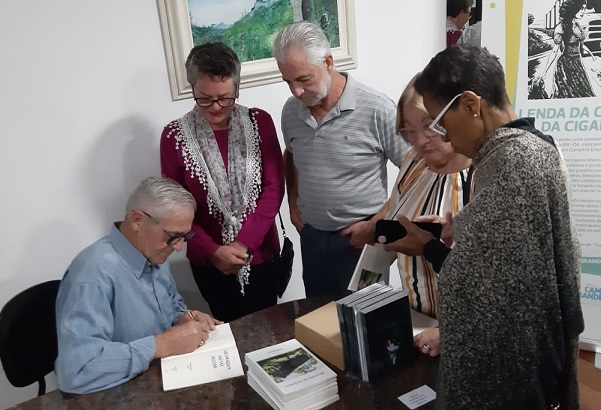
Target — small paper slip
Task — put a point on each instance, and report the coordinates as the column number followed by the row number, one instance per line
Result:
column 418, row 397
column 598, row 360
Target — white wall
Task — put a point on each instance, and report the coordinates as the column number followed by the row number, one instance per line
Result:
column 84, row 96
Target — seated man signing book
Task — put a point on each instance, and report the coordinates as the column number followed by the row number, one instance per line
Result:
column 118, row 307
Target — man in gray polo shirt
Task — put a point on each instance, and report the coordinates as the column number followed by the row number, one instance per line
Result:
column 339, row 135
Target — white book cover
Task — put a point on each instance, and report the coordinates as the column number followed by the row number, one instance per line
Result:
column 290, row 367
column 217, row 359
column 373, row 267
column 318, row 398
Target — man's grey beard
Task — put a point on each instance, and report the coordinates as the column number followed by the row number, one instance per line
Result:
column 326, row 82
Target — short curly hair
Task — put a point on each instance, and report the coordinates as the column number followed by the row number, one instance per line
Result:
column 463, row 67
column 214, row 59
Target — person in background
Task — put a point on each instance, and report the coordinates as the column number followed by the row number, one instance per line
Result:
column 433, row 181
column 228, row 156
column 458, row 14
column 118, row 307
column 508, row 291
column 571, row 79
column 339, row 136
column 472, row 34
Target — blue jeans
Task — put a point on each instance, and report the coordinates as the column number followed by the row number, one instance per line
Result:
column 328, row 262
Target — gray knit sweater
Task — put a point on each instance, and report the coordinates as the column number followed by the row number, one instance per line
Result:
column 509, row 305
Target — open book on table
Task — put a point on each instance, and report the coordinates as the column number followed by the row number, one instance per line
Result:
column 217, row 359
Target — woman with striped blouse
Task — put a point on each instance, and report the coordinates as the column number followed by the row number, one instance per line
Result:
column 433, row 180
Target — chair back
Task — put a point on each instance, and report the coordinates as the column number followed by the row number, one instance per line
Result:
column 28, row 345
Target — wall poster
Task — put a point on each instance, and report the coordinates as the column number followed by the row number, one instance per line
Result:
column 551, row 51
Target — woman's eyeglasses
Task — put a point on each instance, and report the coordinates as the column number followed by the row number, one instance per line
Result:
column 410, row 134
column 222, row 102
column 436, row 127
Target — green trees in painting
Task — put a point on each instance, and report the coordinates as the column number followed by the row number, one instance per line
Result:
column 251, row 35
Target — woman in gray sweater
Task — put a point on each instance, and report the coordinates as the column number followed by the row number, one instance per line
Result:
column 509, row 306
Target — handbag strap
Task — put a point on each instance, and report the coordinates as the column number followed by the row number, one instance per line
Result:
column 254, row 121
column 282, row 226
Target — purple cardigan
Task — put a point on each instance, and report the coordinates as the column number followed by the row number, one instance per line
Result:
column 259, row 232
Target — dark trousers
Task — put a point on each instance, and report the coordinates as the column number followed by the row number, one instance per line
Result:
column 222, row 292
column 328, row 262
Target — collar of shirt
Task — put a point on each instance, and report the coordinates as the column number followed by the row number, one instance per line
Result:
column 137, row 263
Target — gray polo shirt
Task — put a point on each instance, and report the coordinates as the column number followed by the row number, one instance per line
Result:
column 341, row 163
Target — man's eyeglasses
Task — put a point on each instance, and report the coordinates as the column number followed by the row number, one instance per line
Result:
column 436, row 127
column 222, row 102
column 173, row 239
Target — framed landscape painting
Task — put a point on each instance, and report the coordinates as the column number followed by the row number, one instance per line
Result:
column 248, row 27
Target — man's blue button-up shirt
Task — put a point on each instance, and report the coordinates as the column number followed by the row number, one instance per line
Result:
column 110, row 304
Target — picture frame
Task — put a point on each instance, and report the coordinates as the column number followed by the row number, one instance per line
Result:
column 176, row 31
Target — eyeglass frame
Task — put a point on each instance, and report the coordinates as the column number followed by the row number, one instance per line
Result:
column 439, row 129
column 425, row 130
column 173, row 239
column 215, row 100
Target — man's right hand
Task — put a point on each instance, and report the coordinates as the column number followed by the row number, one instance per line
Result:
column 296, row 217
column 182, row 338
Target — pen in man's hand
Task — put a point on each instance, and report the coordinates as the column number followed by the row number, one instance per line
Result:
column 189, row 312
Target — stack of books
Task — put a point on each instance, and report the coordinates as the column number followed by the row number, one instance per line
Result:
column 289, row 377
column 376, row 331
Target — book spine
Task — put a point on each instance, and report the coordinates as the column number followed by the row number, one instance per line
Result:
column 361, row 343
column 353, row 365
column 343, row 335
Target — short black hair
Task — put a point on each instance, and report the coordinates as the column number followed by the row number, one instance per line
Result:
column 454, row 7
column 215, row 59
column 463, row 67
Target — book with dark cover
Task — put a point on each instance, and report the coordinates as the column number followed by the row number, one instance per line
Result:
column 354, row 366
column 387, row 335
column 359, row 329
column 340, row 309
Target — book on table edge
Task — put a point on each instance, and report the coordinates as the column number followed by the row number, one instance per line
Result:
column 217, row 359
column 317, row 399
column 289, row 367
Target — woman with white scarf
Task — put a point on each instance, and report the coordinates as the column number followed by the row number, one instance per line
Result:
column 228, row 156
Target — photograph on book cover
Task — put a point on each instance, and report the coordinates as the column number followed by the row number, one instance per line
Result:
column 248, row 27
column 289, row 365
column 566, row 103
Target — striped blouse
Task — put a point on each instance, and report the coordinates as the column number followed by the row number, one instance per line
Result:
column 421, row 191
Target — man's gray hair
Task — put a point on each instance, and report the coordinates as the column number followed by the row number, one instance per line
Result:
column 157, row 195
column 302, row 36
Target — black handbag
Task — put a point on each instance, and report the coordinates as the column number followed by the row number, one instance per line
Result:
column 282, row 263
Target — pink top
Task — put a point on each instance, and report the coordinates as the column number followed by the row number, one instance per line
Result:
column 258, row 232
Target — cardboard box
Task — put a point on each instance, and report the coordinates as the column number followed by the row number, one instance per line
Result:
column 319, row 331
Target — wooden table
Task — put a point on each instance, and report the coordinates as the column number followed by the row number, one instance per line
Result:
column 590, row 382
column 252, row 332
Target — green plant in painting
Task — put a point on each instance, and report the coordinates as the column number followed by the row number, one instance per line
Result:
column 251, row 36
